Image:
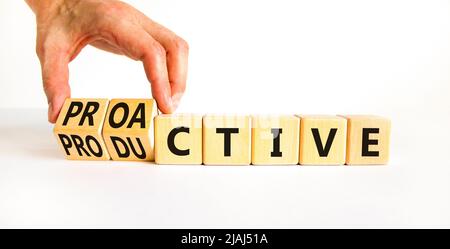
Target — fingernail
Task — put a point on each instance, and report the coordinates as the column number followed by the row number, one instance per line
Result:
column 50, row 111
column 176, row 100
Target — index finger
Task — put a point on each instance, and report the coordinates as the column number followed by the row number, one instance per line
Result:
column 177, row 57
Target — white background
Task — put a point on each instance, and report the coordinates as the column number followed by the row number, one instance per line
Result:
column 390, row 58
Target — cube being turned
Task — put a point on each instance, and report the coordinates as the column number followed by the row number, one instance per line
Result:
column 322, row 140
column 79, row 129
column 368, row 140
column 275, row 140
column 178, row 139
column 226, row 140
column 128, row 129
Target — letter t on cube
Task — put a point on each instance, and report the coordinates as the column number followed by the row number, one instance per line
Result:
column 226, row 140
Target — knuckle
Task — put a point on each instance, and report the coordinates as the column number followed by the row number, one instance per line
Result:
column 41, row 47
column 180, row 45
column 46, row 46
column 39, row 50
column 181, row 89
column 109, row 9
column 157, row 50
column 49, row 86
column 49, row 82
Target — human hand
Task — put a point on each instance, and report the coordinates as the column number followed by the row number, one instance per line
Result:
column 65, row 27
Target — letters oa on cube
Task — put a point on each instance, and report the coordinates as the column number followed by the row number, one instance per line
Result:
column 128, row 129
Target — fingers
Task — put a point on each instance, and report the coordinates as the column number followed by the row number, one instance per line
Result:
column 55, row 76
column 163, row 54
column 154, row 59
column 139, row 45
column 177, row 65
column 177, row 57
column 121, row 30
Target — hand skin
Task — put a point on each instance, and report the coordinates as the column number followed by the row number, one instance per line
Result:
column 65, row 27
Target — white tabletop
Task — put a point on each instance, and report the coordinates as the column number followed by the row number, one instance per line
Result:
column 39, row 188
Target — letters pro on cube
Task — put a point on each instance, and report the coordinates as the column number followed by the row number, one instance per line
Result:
column 132, row 130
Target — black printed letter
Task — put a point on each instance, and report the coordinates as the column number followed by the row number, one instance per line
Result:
column 323, row 152
column 276, row 143
column 66, row 142
column 89, row 114
column 171, row 141
column 126, row 111
column 366, row 141
column 70, row 112
column 227, row 137
column 121, row 154
column 140, row 110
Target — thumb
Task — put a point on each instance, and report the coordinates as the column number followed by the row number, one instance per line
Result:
column 55, row 77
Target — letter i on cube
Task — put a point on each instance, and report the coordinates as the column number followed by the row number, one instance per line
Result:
column 275, row 140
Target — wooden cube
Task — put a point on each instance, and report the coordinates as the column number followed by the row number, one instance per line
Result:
column 275, row 140
column 368, row 140
column 79, row 129
column 128, row 129
column 178, row 139
column 322, row 140
column 226, row 140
